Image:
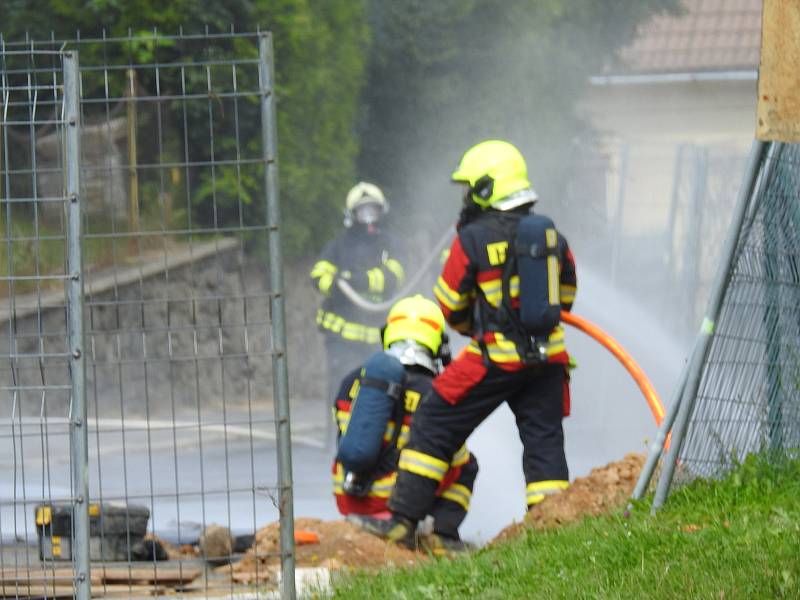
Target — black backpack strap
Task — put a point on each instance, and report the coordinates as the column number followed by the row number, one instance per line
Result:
column 391, row 388
column 481, row 328
column 506, row 225
column 385, row 460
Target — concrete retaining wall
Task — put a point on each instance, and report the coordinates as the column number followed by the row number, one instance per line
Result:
column 185, row 330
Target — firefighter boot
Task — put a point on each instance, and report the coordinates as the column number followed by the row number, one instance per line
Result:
column 439, row 544
column 395, row 530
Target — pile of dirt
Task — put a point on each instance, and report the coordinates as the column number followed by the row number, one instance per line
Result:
column 339, row 545
column 603, row 490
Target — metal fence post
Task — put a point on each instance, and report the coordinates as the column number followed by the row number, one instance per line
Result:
column 280, row 381
column 661, row 437
column 79, row 441
column 705, row 335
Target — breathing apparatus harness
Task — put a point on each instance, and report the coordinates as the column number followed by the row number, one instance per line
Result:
column 528, row 255
column 414, row 355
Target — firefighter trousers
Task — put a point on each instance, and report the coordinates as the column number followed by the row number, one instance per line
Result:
column 534, row 395
column 451, row 505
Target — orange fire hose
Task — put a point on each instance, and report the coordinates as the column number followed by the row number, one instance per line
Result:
column 622, row 356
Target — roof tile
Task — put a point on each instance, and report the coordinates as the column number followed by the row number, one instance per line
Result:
column 710, row 35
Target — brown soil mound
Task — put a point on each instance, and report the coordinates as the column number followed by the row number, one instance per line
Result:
column 340, row 545
column 603, row 490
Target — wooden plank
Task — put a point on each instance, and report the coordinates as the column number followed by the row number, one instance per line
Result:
column 23, row 575
column 165, row 576
column 36, row 590
column 779, row 73
column 58, row 582
column 126, row 591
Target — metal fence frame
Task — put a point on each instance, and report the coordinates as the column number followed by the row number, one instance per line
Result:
column 736, row 406
column 79, row 285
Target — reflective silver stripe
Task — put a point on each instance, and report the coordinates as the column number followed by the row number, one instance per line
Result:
column 537, row 491
column 459, row 494
column 422, row 464
column 449, row 297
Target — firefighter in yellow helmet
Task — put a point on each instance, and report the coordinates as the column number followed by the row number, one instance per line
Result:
column 370, row 260
column 507, row 278
column 374, row 410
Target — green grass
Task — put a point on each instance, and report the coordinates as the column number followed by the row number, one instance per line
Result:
column 735, row 538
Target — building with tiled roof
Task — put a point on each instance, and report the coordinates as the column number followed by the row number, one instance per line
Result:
column 676, row 113
column 710, row 36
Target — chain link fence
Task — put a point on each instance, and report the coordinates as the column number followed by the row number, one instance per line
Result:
column 749, row 395
column 144, row 422
column 739, row 394
column 668, row 208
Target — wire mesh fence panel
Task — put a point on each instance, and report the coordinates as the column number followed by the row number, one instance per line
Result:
column 749, row 395
column 671, row 222
column 38, row 418
column 179, row 312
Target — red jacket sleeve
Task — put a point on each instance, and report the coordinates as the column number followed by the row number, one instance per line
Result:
column 455, row 288
column 569, row 279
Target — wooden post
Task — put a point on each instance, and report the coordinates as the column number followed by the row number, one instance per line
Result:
column 778, row 74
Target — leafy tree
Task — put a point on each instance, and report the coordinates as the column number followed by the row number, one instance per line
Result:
column 320, row 54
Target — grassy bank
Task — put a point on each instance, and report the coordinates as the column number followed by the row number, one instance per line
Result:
column 735, row 538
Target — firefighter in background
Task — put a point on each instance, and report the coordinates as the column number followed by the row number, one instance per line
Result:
column 501, row 363
column 374, row 409
column 368, row 258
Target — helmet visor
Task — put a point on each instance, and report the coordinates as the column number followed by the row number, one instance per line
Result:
column 368, row 213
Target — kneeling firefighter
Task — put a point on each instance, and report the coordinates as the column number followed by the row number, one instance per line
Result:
column 374, row 410
column 507, row 278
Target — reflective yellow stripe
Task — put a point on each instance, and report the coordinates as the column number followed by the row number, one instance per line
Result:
column 323, row 267
column 555, row 342
column 353, row 331
column 459, row 494
column 396, row 269
column 402, row 439
column 513, row 286
column 551, row 238
column 537, row 491
column 388, row 432
column 349, row 331
column 567, row 293
column 330, row 321
column 422, row 464
column 503, row 350
column 325, row 283
column 553, row 276
column 376, row 280
column 338, row 479
column 493, row 290
column 343, row 420
column 448, row 296
column 382, row 488
column 461, row 457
